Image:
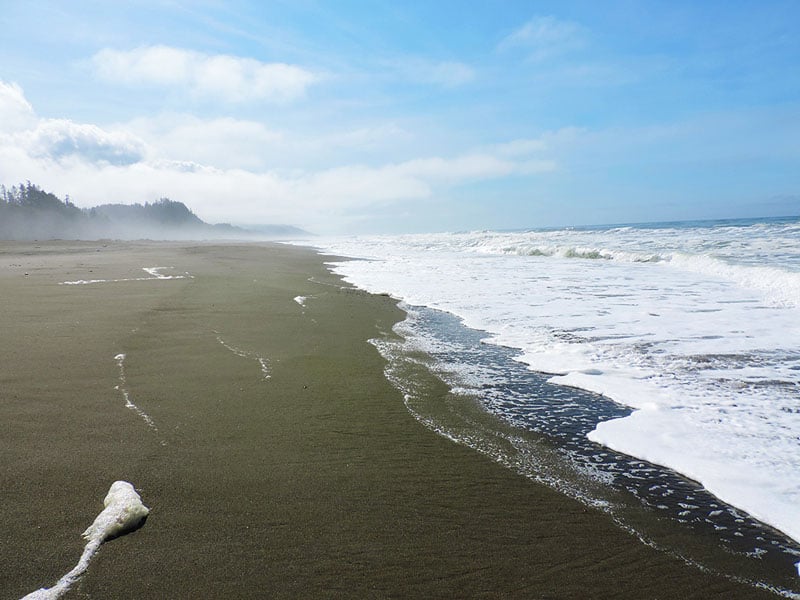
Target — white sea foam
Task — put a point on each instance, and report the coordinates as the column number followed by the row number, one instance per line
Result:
column 301, row 300
column 154, row 272
column 123, row 512
column 123, row 389
column 263, row 363
column 696, row 327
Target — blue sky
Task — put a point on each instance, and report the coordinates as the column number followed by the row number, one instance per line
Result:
column 378, row 116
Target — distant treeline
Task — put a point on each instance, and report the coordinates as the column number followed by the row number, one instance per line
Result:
column 28, row 212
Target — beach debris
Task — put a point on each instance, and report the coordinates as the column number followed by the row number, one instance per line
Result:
column 123, row 513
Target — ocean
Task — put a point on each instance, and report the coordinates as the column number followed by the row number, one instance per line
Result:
column 651, row 371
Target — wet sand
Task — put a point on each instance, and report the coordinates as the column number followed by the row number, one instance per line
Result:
column 312, row 482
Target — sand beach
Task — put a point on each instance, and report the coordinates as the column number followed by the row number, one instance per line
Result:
column 234, row 386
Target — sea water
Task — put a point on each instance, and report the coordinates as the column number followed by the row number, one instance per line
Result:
column 654, row 350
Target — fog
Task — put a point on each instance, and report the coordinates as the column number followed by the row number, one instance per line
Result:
column 29, row 213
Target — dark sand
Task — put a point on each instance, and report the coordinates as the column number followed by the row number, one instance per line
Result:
column 316, row 482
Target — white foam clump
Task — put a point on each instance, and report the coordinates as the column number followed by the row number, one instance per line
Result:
column 301, row 300
column 123, row 512
column 157, row 274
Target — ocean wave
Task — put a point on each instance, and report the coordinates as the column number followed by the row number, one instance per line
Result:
column 779, row 287
column 698, row 323
column 761, row 257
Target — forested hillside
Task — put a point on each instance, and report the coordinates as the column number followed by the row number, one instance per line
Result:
column 28, row 212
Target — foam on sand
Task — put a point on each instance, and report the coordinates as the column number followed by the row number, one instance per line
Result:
column 123, row 513
column 156, row 273
column 123, row 388
column 262, row 362
column 153, row 272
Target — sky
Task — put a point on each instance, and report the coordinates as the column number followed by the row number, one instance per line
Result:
column 388, row 117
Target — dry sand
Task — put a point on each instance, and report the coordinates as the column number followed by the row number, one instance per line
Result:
column 314, row 482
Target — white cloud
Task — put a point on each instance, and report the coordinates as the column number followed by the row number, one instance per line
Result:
column 520, row 147
column 151, row 158
column 223, row 142
column 527, row 154
column 446, row 74
column 536, row 166
column 369, row 138
column 453, row 170
column 16, row 113
column 322, row 200
column 238, row 143
column 59, row 138
column 423, row 71
column 220, row 77
column 544, row 37
column 532, row 150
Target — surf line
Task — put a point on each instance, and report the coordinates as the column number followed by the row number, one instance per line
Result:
column 154, row 273
column 262, row 362
column 123, row 512
column 123, row 389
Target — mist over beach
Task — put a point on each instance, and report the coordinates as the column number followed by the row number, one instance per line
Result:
column 399, row 300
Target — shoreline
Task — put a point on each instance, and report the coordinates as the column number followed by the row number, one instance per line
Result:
column 517, row 417
column 281, row 462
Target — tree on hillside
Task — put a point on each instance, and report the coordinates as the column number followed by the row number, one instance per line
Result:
column 31, row 197
column 169, row 212
column 28, row 212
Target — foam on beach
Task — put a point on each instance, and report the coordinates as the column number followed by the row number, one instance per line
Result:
column 301, row 300
column 263, row 363
column 123, row 513
column 123, row 389
column 435, row 343
column 156, row 273
column 153, row 272
column 693, row 327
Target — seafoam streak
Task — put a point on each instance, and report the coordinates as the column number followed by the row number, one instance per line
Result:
column 123, row 512
column 123, row 389
column 263, row 363
column 154, row 272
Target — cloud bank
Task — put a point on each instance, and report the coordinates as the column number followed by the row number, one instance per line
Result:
column 153, row 157
column 59, row 139
column 16, row 113
column 217, row 77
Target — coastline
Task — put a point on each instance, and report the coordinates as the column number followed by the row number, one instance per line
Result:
column 281, row 462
